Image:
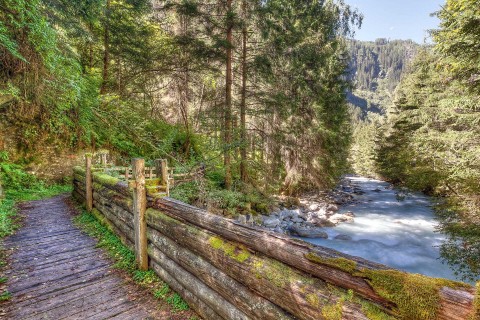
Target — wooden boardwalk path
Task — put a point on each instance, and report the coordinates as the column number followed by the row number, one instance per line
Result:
column 58, row 273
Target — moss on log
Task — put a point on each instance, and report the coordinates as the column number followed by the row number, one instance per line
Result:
column 210, row 297
column 112, row 183
column 445, row 300
column 192, row 299
column 239, row 295
column 121, row 214
column 299, row 293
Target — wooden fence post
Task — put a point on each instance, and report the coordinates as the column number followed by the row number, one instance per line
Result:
column 104, row 159
column 127, row 173
column 165, row 180
column 158, row 168
column 161, row 170
column 88, row 182
column 139, row 208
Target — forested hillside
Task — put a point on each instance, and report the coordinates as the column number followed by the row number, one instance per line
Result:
column 375, row 70
column 254, row 90
column 427, row 136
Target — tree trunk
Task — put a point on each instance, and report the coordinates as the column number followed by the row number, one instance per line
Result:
column 243, row 104
column 228, row 100
column 106, row 50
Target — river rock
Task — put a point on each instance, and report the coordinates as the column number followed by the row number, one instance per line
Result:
column 288, row 214
column 278, row 230
column 331, row 207
column 297, row 220
column 344, row 237
column 242, row 219
column 337, row 218
column 308, row 232
column 271, row 222
column 349, row 214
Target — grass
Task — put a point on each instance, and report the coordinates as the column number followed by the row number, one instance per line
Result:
column 124, row 260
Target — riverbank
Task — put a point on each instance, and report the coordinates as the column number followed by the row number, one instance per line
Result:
column 309, row 215
column 368, row 218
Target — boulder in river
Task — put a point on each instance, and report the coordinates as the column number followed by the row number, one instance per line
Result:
column 308, row 232
column 337, row 218
column 344, row 237
column 271, row 222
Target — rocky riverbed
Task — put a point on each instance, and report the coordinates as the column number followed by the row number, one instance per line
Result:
column 310, row 213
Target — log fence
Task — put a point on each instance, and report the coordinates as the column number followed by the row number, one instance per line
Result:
column 226, row 270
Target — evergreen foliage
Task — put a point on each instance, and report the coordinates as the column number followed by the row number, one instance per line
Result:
column 148, row 79
column 430, row 141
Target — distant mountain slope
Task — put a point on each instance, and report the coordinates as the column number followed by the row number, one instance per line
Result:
column 376, row 69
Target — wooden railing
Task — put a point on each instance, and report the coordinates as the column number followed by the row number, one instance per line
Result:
column 226, row 270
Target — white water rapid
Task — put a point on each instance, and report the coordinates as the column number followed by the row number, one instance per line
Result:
column 389, row 229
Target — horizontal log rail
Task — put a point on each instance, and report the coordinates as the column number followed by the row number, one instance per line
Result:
column 226, row 270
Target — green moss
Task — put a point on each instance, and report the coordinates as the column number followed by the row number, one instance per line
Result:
column 229, row 249
column 373, row 312
column 105, row 179
column 476, row 304
column 416, row 296
column 274, row 271
column 152, row 183
column 337, row 263
column 333, row 311
column 313, row 300
column 160, row 215
column 79, row 170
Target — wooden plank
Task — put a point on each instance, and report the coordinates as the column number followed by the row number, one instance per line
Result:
column 63, row 276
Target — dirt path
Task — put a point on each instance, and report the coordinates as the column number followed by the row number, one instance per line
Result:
column 57, row 273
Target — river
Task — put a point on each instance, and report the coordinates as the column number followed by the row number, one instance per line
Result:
column 394, row 229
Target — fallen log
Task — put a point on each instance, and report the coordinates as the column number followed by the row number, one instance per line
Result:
column 126, row 203
column 375, row 282
column 119, row 227
column 242, row 297
column 111, row 183
column 125, row 216
column 210, row 297
column 302, row 295
column 198, row 305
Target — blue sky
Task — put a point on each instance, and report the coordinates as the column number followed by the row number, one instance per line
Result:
column 396, row 19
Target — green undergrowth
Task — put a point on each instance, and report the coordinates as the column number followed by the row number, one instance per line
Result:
column 16, row 192
column 230, row 203
column 124, row 259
